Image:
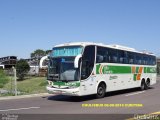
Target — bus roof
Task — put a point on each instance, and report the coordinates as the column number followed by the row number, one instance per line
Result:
column 113, row 46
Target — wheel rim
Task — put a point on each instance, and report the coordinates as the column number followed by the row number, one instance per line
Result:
column 148, row 83
column 100, row 91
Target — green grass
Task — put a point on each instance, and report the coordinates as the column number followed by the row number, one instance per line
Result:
column 31, row 85
column 3, row 79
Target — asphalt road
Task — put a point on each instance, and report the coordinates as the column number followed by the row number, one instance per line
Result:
column 58, row 104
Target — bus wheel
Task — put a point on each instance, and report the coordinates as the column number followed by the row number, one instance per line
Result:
column 147, row 84
column 142, row 85
column 101, row 90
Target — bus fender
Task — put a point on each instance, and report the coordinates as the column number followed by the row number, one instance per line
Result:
column 101, row 81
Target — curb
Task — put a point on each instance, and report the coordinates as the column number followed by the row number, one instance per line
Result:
column 24, row 96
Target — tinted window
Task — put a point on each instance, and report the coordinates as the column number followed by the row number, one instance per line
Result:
column 113, row 55
column 131, row 58
column 122, row 57
column 87, row 61
column 102, row 55
column 145, row 60
column 109, row 55
column 153, row 60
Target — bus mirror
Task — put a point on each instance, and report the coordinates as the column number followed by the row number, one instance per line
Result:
column 77, row 60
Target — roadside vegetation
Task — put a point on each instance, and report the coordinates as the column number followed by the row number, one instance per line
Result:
column 26, row 84
column 30, row 85
column 22, row 68
column 3, row 79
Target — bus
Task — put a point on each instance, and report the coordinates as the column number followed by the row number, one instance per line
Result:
column 85, row 68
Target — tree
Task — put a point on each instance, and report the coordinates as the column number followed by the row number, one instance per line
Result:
column 38, row 54
column 22, row 68
column 48, row 52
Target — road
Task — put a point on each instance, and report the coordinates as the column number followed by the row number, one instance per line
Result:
column 58, row 104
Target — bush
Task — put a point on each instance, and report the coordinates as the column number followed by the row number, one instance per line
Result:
column 3, row 79
column 22, row 68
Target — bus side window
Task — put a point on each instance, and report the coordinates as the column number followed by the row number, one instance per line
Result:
column 102, row 55
column 99, row 59
column 120, row 56
column 138, row 59
column 130, row 57
column 145, row 60
column 113, row 55
column 150, row 60
column 153, row 60
column 106, row 56
column 125, row 58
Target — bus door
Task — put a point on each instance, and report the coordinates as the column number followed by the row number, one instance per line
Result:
column 87, row 77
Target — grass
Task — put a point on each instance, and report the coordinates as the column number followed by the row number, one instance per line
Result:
column 3, row 79
column 31, row 85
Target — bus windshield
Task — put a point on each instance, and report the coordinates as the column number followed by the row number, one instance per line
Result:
column 61, row 64
column 62, row 69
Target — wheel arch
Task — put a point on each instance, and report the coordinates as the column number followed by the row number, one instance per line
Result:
column 101, row 82
column 143, row 80
column 148, row 79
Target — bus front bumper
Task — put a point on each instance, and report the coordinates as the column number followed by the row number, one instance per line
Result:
column 72, row 92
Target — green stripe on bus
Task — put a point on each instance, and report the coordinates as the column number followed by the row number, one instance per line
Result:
column 111, row 69
column 135, row 77
column 60, row 83
column 107, row 69
column 137, row 69
column 97, row 68
column 116, row 69
column 145, row 69
column 151, row 70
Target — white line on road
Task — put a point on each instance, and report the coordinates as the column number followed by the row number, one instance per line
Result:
column 19, row 109
column 135, row 93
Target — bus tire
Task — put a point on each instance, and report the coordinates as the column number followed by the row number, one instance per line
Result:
column 142, row 85
column 101, row 90
column 147, row 84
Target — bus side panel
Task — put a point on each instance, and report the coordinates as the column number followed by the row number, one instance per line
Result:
column 118, row 81
column 115, row 81
column 88, row 86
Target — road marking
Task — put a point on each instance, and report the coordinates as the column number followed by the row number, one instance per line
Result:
column 135, row 93
column 19, row 109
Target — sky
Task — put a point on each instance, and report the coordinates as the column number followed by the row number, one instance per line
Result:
column 27, row 25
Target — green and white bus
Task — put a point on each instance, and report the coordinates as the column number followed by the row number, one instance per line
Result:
column 85, row 68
